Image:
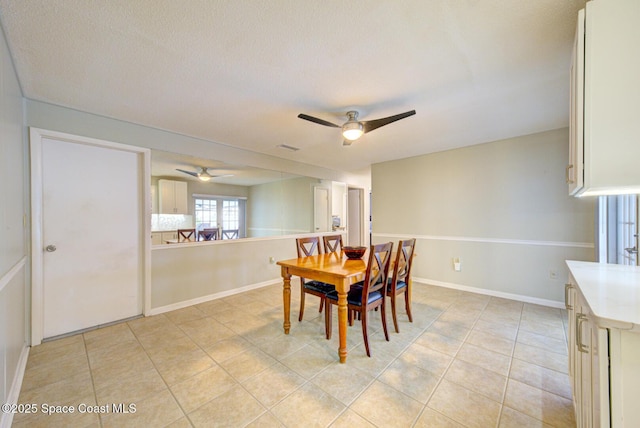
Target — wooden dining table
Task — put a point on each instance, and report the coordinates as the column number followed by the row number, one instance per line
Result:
column 331, row 268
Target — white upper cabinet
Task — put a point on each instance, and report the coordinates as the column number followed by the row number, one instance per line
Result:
column 172, row 197
column 604, row 149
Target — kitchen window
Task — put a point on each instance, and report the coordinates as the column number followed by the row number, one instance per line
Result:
column 617, row 232
column 230, row 215
column 206, row 213
column 220, row 212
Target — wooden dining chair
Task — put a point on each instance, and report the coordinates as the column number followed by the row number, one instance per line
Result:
column 208, row 235
column 305, row 247
column 366, row 295
column 399, row 283
column 230, row 234
column 186, row 235
column 332, row 243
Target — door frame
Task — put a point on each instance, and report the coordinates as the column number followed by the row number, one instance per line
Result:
column 36, row 135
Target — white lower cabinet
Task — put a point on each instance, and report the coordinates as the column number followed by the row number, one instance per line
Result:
column 604, row 366
column 588, row 362
column 158, row 238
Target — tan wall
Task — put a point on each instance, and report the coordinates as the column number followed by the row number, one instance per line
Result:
column 501, row 207
column 182, row 273
column 281, row 208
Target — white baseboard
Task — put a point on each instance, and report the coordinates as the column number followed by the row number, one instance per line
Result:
column 484, row 291
column 207, row 298
column 16, row 385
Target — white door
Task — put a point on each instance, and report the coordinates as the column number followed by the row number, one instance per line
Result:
column 321, row 209
column 94, row 234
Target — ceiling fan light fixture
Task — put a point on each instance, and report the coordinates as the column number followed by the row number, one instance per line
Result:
column 204, row 175
column 352, row 130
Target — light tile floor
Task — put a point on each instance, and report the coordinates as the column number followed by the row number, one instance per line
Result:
column 467, row 360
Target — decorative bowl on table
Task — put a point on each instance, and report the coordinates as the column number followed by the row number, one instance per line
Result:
column 354, row 252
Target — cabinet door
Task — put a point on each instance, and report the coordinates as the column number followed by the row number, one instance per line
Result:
column 583, row 334
column 181, row 197
column 156, row 238
column 570, row 302
column 575, row 171
column 611, row 93
column 599, row 375
column 592, row 369
column 173, row 197
column 166, row 198
column 624, row 353
column 582, row 380
column 169, row 236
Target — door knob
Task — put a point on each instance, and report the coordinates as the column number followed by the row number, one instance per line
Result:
column 50, row 248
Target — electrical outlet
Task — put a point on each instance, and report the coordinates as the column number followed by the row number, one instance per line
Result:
column 272, row 260
column 553, row 274
column 457, row 264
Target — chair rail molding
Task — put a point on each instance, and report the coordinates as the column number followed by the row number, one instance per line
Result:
column 488, row 240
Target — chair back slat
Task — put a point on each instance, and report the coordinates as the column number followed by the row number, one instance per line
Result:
column 230, row 234
column 308, row 246
column 186, row 235
column 332, row 243
column 377, row 270
column 404, row 260
column 208, row 235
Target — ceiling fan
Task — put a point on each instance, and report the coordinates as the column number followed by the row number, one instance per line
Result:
column 353, row 129
column 203, row 174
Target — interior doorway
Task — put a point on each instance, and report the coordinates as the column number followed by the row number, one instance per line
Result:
column 90, row 232
column 321, row 212
column 355, row 212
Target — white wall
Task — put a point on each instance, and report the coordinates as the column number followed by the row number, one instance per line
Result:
column 13, row 250
column 501, row 207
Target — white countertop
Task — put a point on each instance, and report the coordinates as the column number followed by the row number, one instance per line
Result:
column 611, row 291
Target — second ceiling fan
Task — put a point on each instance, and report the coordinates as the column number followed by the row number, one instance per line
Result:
column 353, row 128
column 203, row 174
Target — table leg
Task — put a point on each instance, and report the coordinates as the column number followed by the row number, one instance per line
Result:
column 286, row 297
column 342, row 320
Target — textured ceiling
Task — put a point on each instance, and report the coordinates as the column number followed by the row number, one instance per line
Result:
column 239, row 72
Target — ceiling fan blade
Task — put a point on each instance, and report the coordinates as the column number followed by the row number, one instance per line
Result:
column 195, row 174
column 370, row 125
column 316, row 120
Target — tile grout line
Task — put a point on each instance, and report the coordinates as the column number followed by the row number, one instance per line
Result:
column 426, row 403
column 93, row 383
column 159, row 374
column 453, row 357
column 506, row 384
column 238, row 382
